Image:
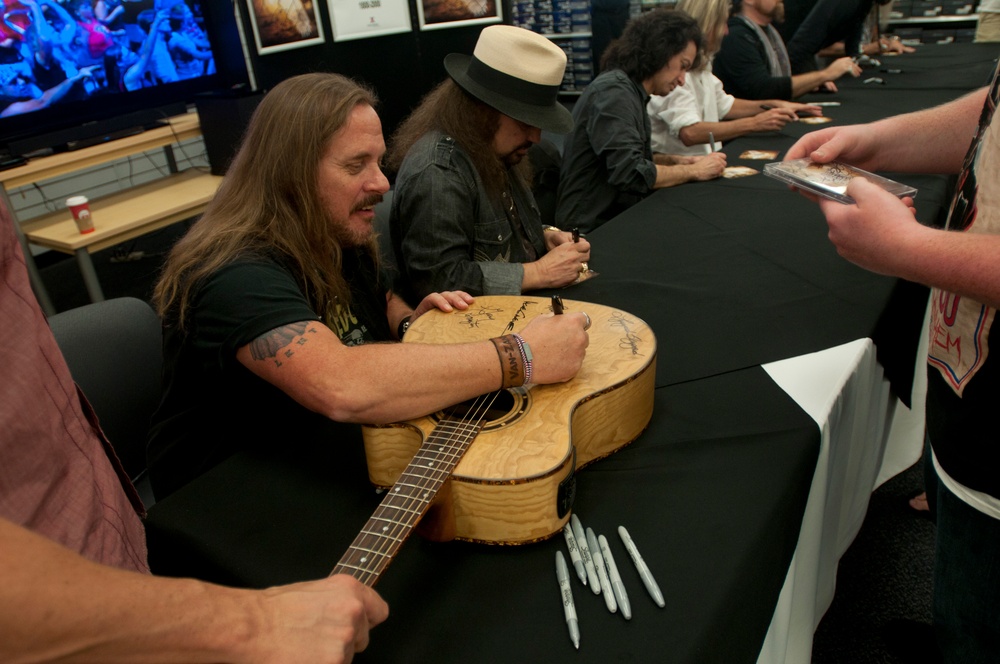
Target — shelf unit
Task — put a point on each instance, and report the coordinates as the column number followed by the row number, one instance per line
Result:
column 119, row 217
column 566, row 23
column 932, row 22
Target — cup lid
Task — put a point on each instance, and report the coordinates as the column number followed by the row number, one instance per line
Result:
column 76, row 200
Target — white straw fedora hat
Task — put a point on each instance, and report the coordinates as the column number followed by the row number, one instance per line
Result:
column 516, row 71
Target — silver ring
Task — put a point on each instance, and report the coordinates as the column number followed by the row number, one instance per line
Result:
column 587, row 326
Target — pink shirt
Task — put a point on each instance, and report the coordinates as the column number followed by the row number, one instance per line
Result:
column 58, row 474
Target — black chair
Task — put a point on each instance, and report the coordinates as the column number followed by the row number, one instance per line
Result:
column 115, row 354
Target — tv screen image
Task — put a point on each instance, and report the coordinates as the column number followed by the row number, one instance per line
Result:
column 66, row 63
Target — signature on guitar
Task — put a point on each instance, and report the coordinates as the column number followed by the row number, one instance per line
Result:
column 503, row 470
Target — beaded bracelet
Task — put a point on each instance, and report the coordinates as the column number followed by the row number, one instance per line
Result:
column 526, row 357
column 512, row 364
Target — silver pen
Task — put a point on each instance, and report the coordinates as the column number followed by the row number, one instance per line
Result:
column 711, row 142
column 602, row 573
column 588, row 561
column 574, row 553
column 569, row 609
column 616, row 579
column 640, row 564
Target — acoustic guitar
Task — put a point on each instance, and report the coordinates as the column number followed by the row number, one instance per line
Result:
column 500, row 469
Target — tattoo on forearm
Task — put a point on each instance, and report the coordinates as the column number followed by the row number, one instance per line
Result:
column 275, row 344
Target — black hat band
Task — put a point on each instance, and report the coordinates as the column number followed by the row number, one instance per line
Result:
column 524, row 91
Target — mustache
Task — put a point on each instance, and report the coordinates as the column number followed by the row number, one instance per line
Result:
column 369, row 201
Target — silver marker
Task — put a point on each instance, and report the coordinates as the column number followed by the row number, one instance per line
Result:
column 640, row 564
column 569, row 609
column 602, row 573
column 574, row 553
column 616, row 579
column 588, row 561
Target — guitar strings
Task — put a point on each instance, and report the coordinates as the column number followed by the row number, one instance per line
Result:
column 390, row 539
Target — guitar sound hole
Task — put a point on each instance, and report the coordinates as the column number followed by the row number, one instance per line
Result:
column 496, row 409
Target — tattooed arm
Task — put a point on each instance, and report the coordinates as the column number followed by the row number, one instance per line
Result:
column 379, row 383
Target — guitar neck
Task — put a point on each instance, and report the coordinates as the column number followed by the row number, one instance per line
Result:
column 407, row 500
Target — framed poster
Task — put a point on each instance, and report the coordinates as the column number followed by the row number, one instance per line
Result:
column 357, row 19
column 280, row 25
column 435, row 14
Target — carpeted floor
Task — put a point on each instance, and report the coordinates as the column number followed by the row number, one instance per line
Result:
column 885, row 575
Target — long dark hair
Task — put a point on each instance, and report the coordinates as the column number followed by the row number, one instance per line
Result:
column 269, row 200
column 649, row 41
column 454, row 112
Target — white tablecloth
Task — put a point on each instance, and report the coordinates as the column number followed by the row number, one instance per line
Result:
column 868, row 436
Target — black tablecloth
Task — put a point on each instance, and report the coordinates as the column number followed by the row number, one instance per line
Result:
column 712, row 493
column 730, row 274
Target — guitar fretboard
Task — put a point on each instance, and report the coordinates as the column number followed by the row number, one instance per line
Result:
column 408, row 500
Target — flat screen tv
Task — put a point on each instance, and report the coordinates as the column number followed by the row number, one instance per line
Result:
column 76, row 72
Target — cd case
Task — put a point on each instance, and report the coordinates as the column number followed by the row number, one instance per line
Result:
column 830, row 180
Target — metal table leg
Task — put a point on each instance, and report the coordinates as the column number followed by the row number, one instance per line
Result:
column 89, row 275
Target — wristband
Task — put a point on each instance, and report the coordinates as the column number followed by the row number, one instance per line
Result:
column 526, row 357
column 404, row 325
column 512, row 363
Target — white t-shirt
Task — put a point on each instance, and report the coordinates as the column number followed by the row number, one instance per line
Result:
column 700, row 99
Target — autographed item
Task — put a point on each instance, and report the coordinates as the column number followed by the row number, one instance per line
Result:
column 815, row 119
column 830, row 180
column 738, row 172
column 505, row 463
column 759, row 154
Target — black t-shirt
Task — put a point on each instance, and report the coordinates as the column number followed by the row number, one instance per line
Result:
column 212, row 405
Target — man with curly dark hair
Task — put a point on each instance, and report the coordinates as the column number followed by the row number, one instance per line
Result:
column 608, row 164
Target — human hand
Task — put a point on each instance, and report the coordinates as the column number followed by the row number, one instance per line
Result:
column 708, row 167
column 446, row 301
column 854, row 144
column 840, row 67
column 895, row 45
column 773, row 119
column 801, row 109
column 562, row 265
column 325, row 621
column 554, row 238
column 558, row 346
column 875, row 231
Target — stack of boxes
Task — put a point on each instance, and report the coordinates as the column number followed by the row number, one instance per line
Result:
column 567, row 23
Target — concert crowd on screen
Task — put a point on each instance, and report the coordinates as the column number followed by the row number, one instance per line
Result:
column 53, row 51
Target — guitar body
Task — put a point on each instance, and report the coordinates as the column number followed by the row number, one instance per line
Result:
column 515, row 482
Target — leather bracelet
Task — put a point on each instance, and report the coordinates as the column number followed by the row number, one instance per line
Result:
column 511, row 361
column 404, row 325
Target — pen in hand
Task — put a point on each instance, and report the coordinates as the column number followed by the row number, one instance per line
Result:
column 557, row 305
column 576, row 234
column 569, row 608
column 711, row 142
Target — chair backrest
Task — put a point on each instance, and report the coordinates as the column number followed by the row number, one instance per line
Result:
column 114, row 352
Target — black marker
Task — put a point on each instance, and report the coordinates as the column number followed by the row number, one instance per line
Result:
column 576, row 234
column 557, row 305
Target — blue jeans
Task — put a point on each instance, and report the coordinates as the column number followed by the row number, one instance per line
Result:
column 966, row 605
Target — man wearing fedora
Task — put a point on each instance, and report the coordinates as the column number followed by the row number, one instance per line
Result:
column 463, row 216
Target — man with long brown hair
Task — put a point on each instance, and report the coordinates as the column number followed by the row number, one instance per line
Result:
column 274, row 299
column 463, row 215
